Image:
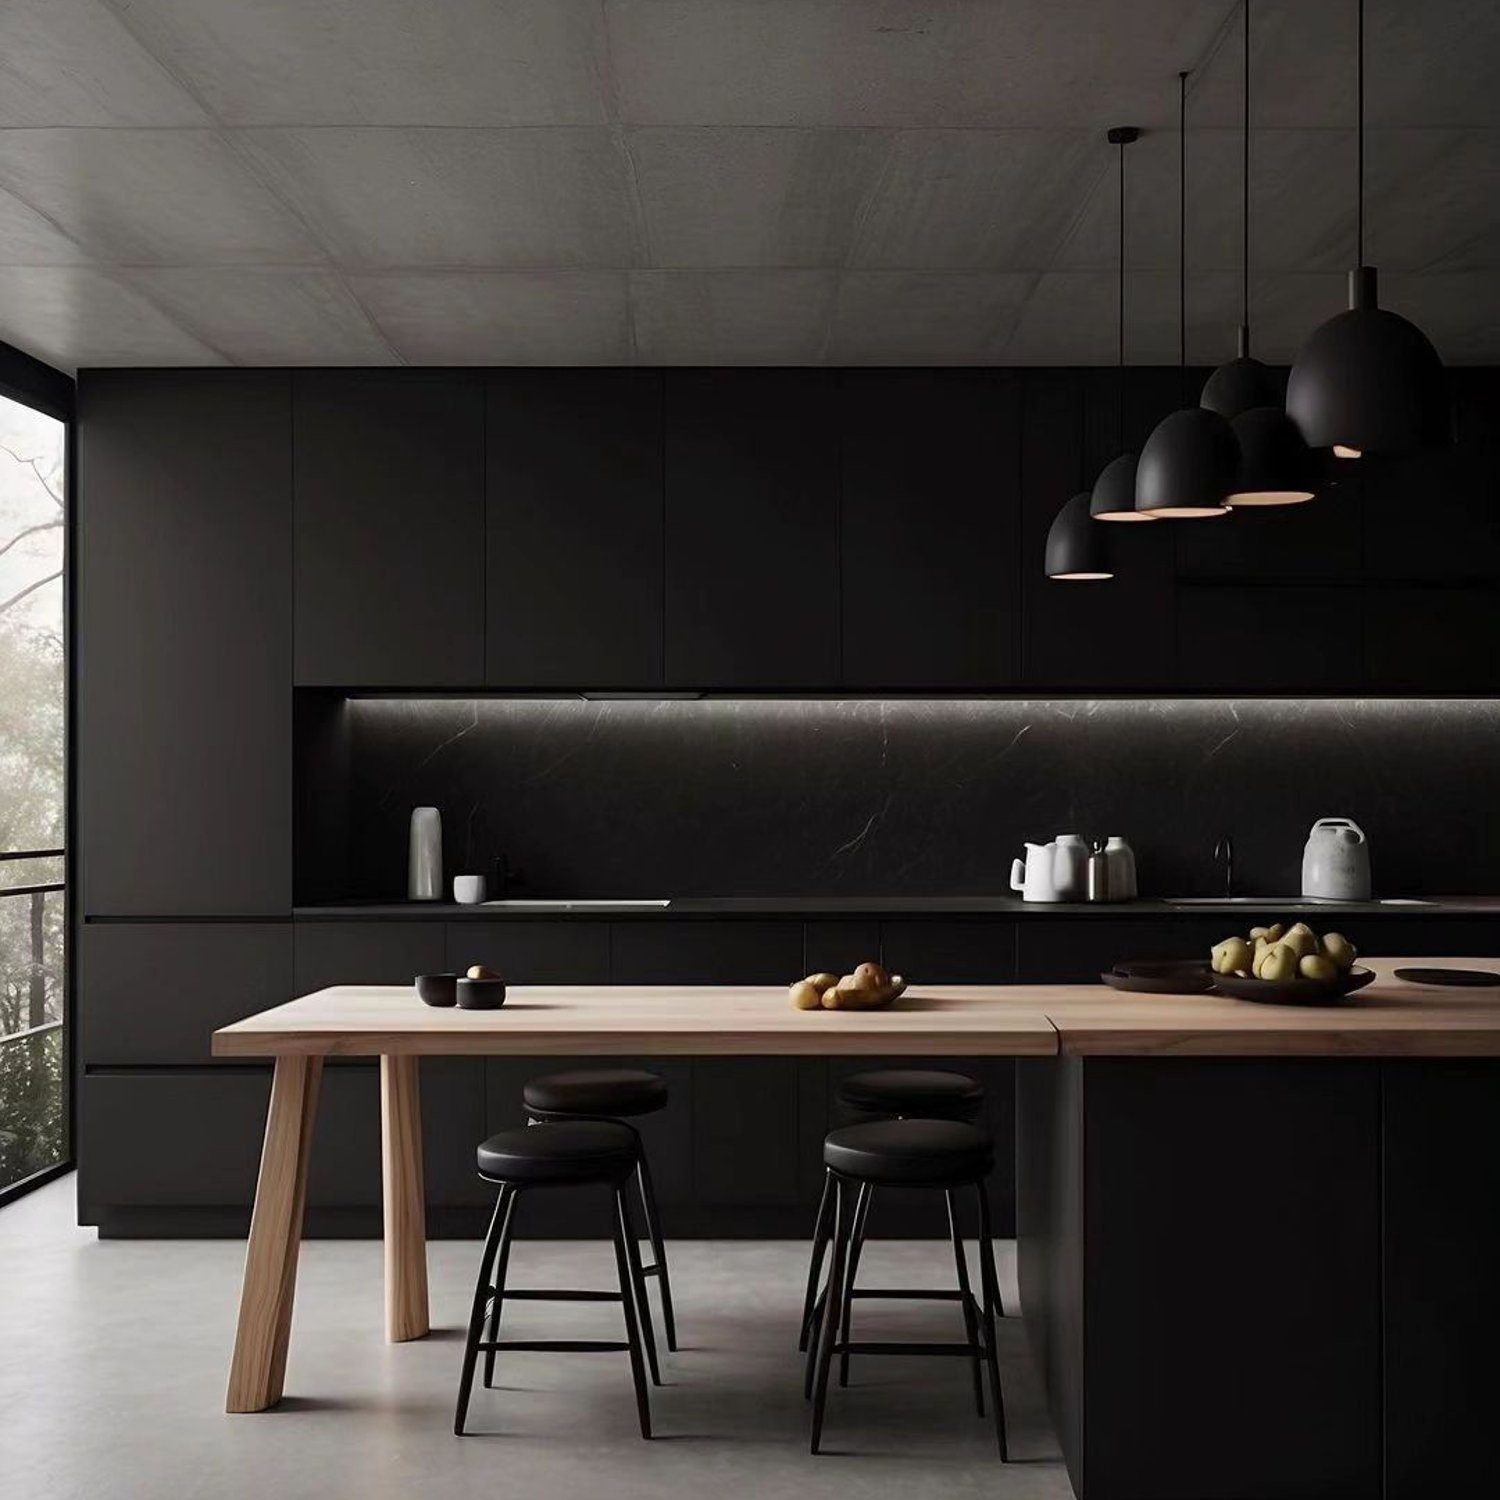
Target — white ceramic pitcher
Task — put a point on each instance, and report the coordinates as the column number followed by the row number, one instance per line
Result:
column 1035, row 877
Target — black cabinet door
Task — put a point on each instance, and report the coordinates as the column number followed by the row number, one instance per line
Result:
column 1441, row 1205
column 155, row 992
column 657, row 952
column 979, row 951
column 1432, row 639
column 556, row 952
column 184, row 643
column 1113, row 634
column 389, row 538
column 752, row 581
column 1293, row 639
column 328, row 953
column 573, row 528
column 929, row 535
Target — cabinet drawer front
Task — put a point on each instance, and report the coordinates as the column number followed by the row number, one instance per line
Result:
column 156, row 992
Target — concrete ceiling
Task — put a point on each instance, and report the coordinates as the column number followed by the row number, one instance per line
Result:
column 724, row 181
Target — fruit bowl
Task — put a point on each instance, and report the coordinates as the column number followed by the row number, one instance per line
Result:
column 1294, row 991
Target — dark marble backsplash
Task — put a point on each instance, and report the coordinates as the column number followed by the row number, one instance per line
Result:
column 778, row 797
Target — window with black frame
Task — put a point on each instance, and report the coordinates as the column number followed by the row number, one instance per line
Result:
column 33, row 795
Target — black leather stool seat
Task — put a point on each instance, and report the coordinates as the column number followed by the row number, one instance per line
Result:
column 935, row 1152
column 612, row 1093
column 568, row 1151
column 918, row 1093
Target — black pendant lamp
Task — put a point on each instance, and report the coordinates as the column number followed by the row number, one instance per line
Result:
column 1275, row 465
column 1188, row 462
column 1368, row 381
column 1113, row 498
column 1077, row 550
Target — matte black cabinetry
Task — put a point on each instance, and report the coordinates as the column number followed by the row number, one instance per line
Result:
column 154, row 993
column 390, row 532
column 752, row 575
column 573, row 481
column 184, row 727
column 929, row 533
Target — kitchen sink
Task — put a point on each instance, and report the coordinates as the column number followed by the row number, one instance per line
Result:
column 1235, row 900
column 589, row 904
column 1289, row 901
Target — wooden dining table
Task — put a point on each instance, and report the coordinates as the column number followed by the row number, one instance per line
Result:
column 1064, row 1022
column 391, row 1023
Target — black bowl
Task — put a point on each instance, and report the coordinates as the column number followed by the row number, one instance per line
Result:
column 1294, row 991
column 481, row 994
column 437, row 989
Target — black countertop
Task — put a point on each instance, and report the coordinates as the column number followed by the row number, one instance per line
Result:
column 814, row 907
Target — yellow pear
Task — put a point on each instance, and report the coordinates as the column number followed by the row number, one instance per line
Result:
column 805, row 995
column 1316, row 966
column 1340, row 950
column 1233, row 953
column 1279, row 964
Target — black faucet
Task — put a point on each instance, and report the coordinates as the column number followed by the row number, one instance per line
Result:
column 1224, row 850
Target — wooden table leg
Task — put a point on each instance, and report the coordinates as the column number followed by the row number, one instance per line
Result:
column 265, row 1324
column 405, row 1195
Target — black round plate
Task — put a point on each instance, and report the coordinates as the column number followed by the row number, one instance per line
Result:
column 1294, row 991
column 1174, row 976
column 1456, row 978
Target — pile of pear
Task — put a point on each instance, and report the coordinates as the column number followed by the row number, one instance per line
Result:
column 1277, row 955
column 869, row 987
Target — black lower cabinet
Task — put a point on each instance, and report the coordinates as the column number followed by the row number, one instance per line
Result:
column 531, row 952
column 153, row 993
column 950, row 952
column 1442, row 1296
column 1201, row 1270
column 176, row 1152
column 329, row 953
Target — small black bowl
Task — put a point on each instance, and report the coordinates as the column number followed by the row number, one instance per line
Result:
column 481, row 994
column 437, row 989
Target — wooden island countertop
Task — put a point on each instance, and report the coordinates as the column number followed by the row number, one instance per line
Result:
column 1389, row 1019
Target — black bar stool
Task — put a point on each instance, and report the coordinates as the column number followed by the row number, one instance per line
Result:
column 575, row 1153
column 614, row 1094
column 940, row 1154
column 887, row 1094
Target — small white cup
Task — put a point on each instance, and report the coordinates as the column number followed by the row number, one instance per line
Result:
column 468, row 890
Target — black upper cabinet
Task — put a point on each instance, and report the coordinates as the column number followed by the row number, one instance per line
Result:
column 389, row 536
column 1295, row 639
column 574, row 528
column 752, row 577
column 929, row 528
column 184, row 643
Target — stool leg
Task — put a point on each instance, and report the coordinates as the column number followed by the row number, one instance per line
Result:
column 476, row 1314
column 991, row 1302
column 971, row 1323
column 821, row 1227
column 856, row 1245
column 658, row 1249
column 497, row 1295
column 627, row 1304
column 638, row 1284
column 832, row 1303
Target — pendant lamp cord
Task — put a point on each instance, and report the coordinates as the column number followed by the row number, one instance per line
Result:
column 1182, row 234
column 1120, row 350
column 1245, row 206
column 1359, row 134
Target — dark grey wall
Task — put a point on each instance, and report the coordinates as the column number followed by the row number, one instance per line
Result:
column 784, row 797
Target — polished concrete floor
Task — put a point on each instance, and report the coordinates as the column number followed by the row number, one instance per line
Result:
column 113, row 1357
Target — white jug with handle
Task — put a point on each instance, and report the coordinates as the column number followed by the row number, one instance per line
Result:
column 1336, row 861
column 1036, row 876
